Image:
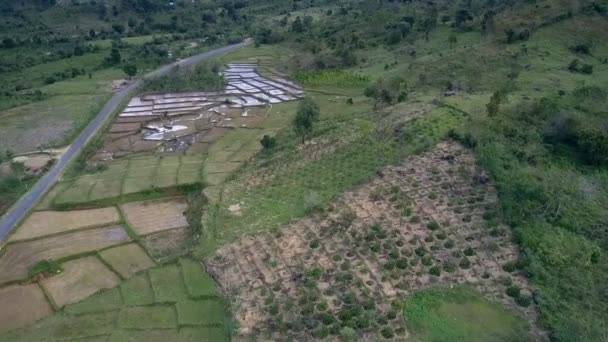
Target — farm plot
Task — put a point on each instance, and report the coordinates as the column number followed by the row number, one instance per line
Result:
column 182, row 122
column 133, row 312
column 22, row 305
column 80, row 279
column 429, row 221
column 127, row 260
column 156, row 216
column 43, row 223
column 19, row 257
column 127, row 177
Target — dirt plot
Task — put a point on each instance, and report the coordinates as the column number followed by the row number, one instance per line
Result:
column 42, row 223
column 127, row 260
column 156, row 216
column 21, row 256
column 80, row 279
column 22, row 305
column 166, row 245
column 429, row 221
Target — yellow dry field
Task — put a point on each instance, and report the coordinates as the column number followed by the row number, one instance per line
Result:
column 43, row 223
column 80, row 279
column 20, row 257
column 21, row 306
column 127, row 260
column 156, row 216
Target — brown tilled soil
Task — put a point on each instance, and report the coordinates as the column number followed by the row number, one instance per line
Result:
column 21, row 256
column 42, row 223
column 22, row 305
column 80, row 279
column 430, row 221
column 155, row 216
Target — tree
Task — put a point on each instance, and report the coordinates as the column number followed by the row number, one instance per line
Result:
column 452, row 39
column 268, row 142
column 494, row 105
column 307, row 114
column 297, row 26
column 114, row 57
column 119, row 28
column 8, row 43
column 130, row 70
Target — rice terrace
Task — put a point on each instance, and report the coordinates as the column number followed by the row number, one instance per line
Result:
column 303, row 171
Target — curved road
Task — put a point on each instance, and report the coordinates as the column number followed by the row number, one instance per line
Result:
column 18, row 211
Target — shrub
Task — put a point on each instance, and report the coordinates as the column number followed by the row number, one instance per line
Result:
column 315, row 244
column 268, row 142
column 45, row 267
column 523, row 301
column 435, row 270
column 465, row 263
column 387, row 332
column 348, row 334
column 449, row 244
column 325, row 318
column 433, row 226
column 513, row 291
column 469, row 251
column 449, row 267
column 401, row 263
column 510, row 266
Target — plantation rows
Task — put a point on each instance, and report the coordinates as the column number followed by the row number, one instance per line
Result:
column 429, row 221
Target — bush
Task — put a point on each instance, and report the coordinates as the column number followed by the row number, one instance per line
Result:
column 435, row 270
column 268, row 142
column 45, row 267
column 469, row 251
column 433, row 226
column 387, row 332
column 513, row 291
column 465, row 263
column 523, row 301
column 510, row 266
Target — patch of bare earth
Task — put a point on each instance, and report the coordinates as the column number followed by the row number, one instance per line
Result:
column 19, row 257
column 80, row 279
column 42, row 223
column 156, row 216
column 430, row 221
column 22, row 305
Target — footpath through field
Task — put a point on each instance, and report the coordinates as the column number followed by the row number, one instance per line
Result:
column 29, row 200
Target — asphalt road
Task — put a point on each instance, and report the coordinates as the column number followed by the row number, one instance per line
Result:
column 18, row 211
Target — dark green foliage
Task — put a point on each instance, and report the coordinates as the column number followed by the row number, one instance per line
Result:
column 387, row 332
column 509, row 267
column 433, row 226
column 45, row 267
column 307, row 114
column 130, row 70
column 464, row 263
column 314, row 244
column 268, row 142
column 513, row 291
column 523, row 301
column 200, row 78
column 387, row 91
column 435, row 270
column 577, row 66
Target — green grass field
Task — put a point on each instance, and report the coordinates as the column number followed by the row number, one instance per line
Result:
column 460, row 314
column 155, row 305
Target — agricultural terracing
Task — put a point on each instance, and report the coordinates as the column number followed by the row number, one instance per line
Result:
column 159, row 141
column 432, row 220
column 94, row 250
